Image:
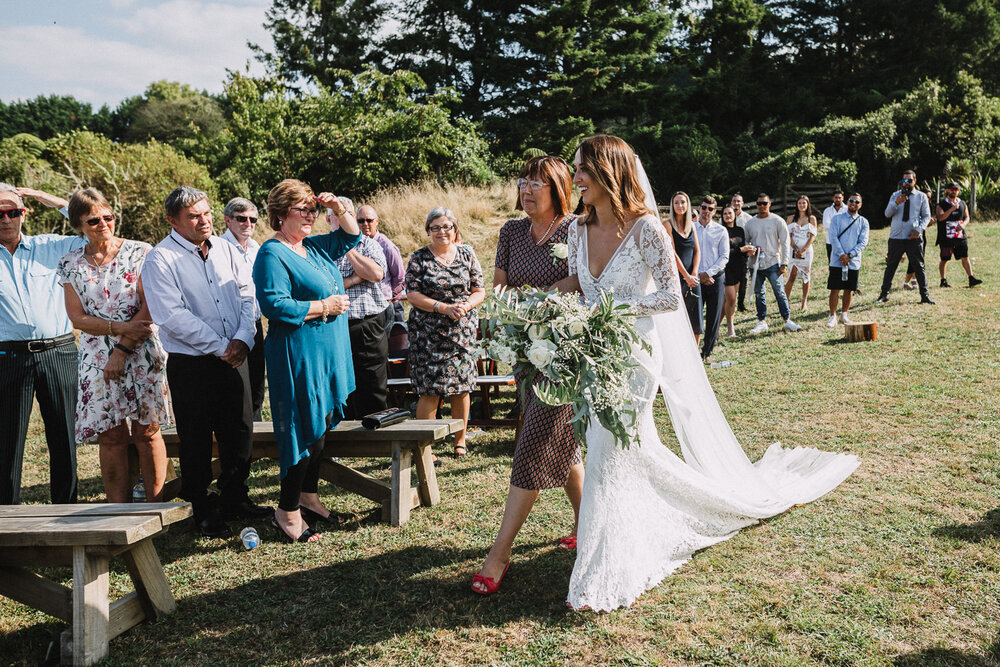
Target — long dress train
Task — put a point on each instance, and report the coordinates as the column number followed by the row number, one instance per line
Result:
column 645, row 511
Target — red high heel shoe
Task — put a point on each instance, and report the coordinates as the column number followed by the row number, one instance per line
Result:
column 491, row 586
column 567, row 543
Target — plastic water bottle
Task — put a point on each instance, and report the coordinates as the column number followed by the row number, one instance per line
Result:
column 722, row 364
column 843, row 273
column 249, row 537
column 139, row 492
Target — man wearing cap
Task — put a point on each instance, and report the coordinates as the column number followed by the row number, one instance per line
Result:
column 241, row 220
column 37, row 348
column 910, row 214
column 952, row 217
column 848, row 235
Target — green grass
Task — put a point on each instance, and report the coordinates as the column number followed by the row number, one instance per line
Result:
column 898, row 566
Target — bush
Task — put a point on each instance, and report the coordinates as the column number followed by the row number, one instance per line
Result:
column 134, row 177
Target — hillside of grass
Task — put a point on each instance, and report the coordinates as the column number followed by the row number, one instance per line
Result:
column 900, row 565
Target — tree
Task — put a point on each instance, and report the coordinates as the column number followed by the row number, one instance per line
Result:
column 317, row 40
column 176, row 114
column 45, row 116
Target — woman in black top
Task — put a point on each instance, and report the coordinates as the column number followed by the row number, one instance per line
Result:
column 736, row 268
column 688, row 256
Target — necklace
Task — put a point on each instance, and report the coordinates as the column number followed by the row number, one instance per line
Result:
column 544, row 236
column 441, row 258
column 104, row 260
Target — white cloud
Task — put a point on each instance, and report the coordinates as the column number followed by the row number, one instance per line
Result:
column 178, row 40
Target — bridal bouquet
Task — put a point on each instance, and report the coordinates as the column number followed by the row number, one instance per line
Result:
column 583, row 351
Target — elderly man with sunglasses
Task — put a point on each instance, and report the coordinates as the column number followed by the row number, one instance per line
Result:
column 241, row 220
column 910, row 213
column 392, row 282
column 38, row 355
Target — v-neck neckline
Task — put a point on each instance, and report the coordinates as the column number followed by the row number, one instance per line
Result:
column 613, row 255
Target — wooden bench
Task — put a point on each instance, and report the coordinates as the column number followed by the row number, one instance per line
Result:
column 408, row 444
column 85, row 537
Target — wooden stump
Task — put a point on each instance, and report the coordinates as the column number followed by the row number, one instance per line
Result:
column 858, row 331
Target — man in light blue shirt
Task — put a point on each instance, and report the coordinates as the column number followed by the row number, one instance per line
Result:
column 37, row 348
column 713, row 239
column 909, row 211
column 200, row 294
column 848, row 236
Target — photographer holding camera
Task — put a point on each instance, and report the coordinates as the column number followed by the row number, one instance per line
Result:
column 910, row 212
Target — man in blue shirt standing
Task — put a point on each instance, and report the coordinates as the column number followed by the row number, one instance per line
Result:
column 910, row 212
column 37, row 348
column 847, row 233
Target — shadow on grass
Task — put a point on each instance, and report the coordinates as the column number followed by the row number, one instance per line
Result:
column 343, row 612
column 975, row 532
column 949, row 657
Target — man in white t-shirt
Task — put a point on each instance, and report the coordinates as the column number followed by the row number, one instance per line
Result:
column 836, row 208
column 767, row 246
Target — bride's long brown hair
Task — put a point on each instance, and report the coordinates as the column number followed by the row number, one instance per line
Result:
column 611, row 162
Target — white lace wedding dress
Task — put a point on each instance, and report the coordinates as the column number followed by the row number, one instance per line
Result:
column 645, row 511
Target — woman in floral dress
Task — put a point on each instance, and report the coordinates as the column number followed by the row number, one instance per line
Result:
column 444, row 284
column 122, row 365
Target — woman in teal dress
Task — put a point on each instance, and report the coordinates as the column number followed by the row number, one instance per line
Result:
column 308, row 350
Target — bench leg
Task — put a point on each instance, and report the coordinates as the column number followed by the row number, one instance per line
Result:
column 150, row 582
column 402, row 493
column 90, row 607
column 427, row 484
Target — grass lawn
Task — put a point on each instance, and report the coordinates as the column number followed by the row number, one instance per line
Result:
column 898, row 566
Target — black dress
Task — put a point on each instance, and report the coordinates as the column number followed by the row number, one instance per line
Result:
column 736, row 268
column 546, row 448
column 684, row 247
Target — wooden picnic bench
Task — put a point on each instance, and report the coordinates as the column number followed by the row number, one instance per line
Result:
column 85, row 537
column 407, row 444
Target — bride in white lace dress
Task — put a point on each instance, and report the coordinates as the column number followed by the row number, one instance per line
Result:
column 645, row 511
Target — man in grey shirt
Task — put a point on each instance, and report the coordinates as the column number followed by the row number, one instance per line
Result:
column 767, row 245
column 910, row 213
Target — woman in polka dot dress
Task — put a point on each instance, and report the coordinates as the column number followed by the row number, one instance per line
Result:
column 546, row 454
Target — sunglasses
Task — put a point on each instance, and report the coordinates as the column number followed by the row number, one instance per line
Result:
column 854, row 201
column 707, row 208
column 763, row 203
column 13, row 213
column 365, row 221
column 93, row 222
column 244, row 218
column 907, row 180
column 305, row 212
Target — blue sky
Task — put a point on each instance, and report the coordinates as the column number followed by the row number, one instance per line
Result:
column 102, row 51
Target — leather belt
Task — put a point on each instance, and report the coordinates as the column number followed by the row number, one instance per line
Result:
column 37, row 345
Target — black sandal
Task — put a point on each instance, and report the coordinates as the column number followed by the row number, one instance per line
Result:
column 460, row 451
column 313, row 517
column 288, row 539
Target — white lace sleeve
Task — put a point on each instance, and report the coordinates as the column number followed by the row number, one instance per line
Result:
column 657, row 252
column 572, row 244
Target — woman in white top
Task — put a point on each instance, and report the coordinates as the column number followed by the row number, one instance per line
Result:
column 801, row 234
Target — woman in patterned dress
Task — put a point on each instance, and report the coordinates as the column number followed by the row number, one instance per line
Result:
column 122, row 366
column 546, row 454
column 444, row 284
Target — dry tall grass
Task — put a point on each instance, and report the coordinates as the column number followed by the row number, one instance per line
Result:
column 402, row 211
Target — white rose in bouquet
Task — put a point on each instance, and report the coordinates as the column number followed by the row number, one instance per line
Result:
column 541, row 353
column 576, row 327
column 559, row 251
column 503, row 354
column 538, row 332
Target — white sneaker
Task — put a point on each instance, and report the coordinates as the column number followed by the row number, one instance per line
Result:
column 832, row 322
column 760, row 328
column 792, row 326
column 845, row 319
column 909, row 285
